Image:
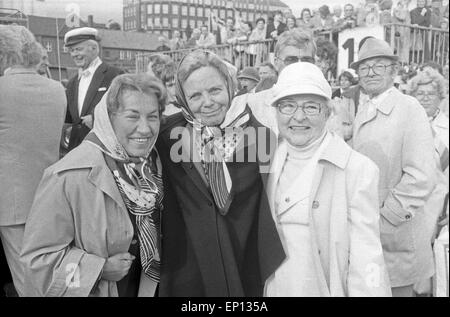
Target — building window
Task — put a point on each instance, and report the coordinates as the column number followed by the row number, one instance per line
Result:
column 184, row 23
column 175, row 22
column 175, row 9
column 48, row 46
column 207, row 12
column 122, row 55
column 157, row 22
column 150, row 9
column 207, row 2
column 251, row 16
column 184, row 11
column 222, row 14
column 192, row 11
column 199, row 23
column 150, row 22
column 157, row 9
column 165, row 22
column 192, row 23
column 216, row 12
column 165, row 9
column 230, row 13
column 129, row 55
column 199, row 12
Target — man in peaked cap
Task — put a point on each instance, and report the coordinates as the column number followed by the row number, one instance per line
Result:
column 392, row 129
column 86, row 89
column 248, row 79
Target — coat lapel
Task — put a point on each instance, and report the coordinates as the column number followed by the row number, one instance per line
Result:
column 275, row 172
column 192, row 164
column 96, row 82
column 102, row 178
column 72, row 96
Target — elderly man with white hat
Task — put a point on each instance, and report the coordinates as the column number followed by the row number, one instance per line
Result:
column 323, row 197
column 392, row 129
column 86, row 89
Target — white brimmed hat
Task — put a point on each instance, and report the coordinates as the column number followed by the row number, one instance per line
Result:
column 300, row 79
column 79, row 35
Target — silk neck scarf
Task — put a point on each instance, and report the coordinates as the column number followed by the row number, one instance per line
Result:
column 139, row 181
column 216, row 144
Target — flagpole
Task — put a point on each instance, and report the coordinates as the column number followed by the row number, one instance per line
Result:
column 57, row 47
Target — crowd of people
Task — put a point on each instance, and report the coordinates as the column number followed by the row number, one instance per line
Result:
column 199, row 178
column 250, row 43
column 372, row 12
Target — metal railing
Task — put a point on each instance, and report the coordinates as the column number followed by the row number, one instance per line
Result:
column 10, row 16
column 241, row 54
column 417, row 44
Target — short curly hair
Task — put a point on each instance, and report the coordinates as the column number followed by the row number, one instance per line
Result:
column 143, row 83
column 434, row 78
column 18, row 47
column 297, row 38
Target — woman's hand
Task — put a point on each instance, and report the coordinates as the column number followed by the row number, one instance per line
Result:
column 117, row 267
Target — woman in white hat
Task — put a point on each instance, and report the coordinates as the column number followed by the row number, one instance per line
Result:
column 323, row 198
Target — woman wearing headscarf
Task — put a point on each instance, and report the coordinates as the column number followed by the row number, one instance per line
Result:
column 93, row 229
column 323, row 197
column 429, row 89
column 219, row 239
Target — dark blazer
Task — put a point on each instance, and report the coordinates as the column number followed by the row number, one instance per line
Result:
column 270, row 28
column 418, row 18
column 204, row 252
column 101, row 80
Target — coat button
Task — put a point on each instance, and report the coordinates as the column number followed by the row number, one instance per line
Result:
column 210, row 204
column 134, row 241
column 287, row 200
column 408, row 217
column 315, row 204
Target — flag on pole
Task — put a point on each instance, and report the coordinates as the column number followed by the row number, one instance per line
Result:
column 73, row 15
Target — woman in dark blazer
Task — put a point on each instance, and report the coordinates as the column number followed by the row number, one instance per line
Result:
column 218, row 235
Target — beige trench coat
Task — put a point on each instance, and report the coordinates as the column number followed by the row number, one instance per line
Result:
column 344, row 220
column 78, row 220
column 397, row 137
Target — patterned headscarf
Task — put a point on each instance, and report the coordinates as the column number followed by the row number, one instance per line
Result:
column 140, row 184
column 217, row 143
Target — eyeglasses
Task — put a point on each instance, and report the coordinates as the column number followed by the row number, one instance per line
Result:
column 295, row 59
column 309, row 108
column 429, row 94
column 377, row 69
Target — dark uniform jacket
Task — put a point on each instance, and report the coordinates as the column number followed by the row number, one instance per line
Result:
column 101, row 80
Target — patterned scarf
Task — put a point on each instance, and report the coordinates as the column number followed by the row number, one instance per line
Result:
column 216, row 144
column 140, row 184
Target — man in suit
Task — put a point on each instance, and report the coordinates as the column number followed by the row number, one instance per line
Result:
column 85, row 90
column 275, row 27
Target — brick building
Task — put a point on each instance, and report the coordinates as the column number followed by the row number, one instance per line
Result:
column 118, row 48
column 164, row 16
